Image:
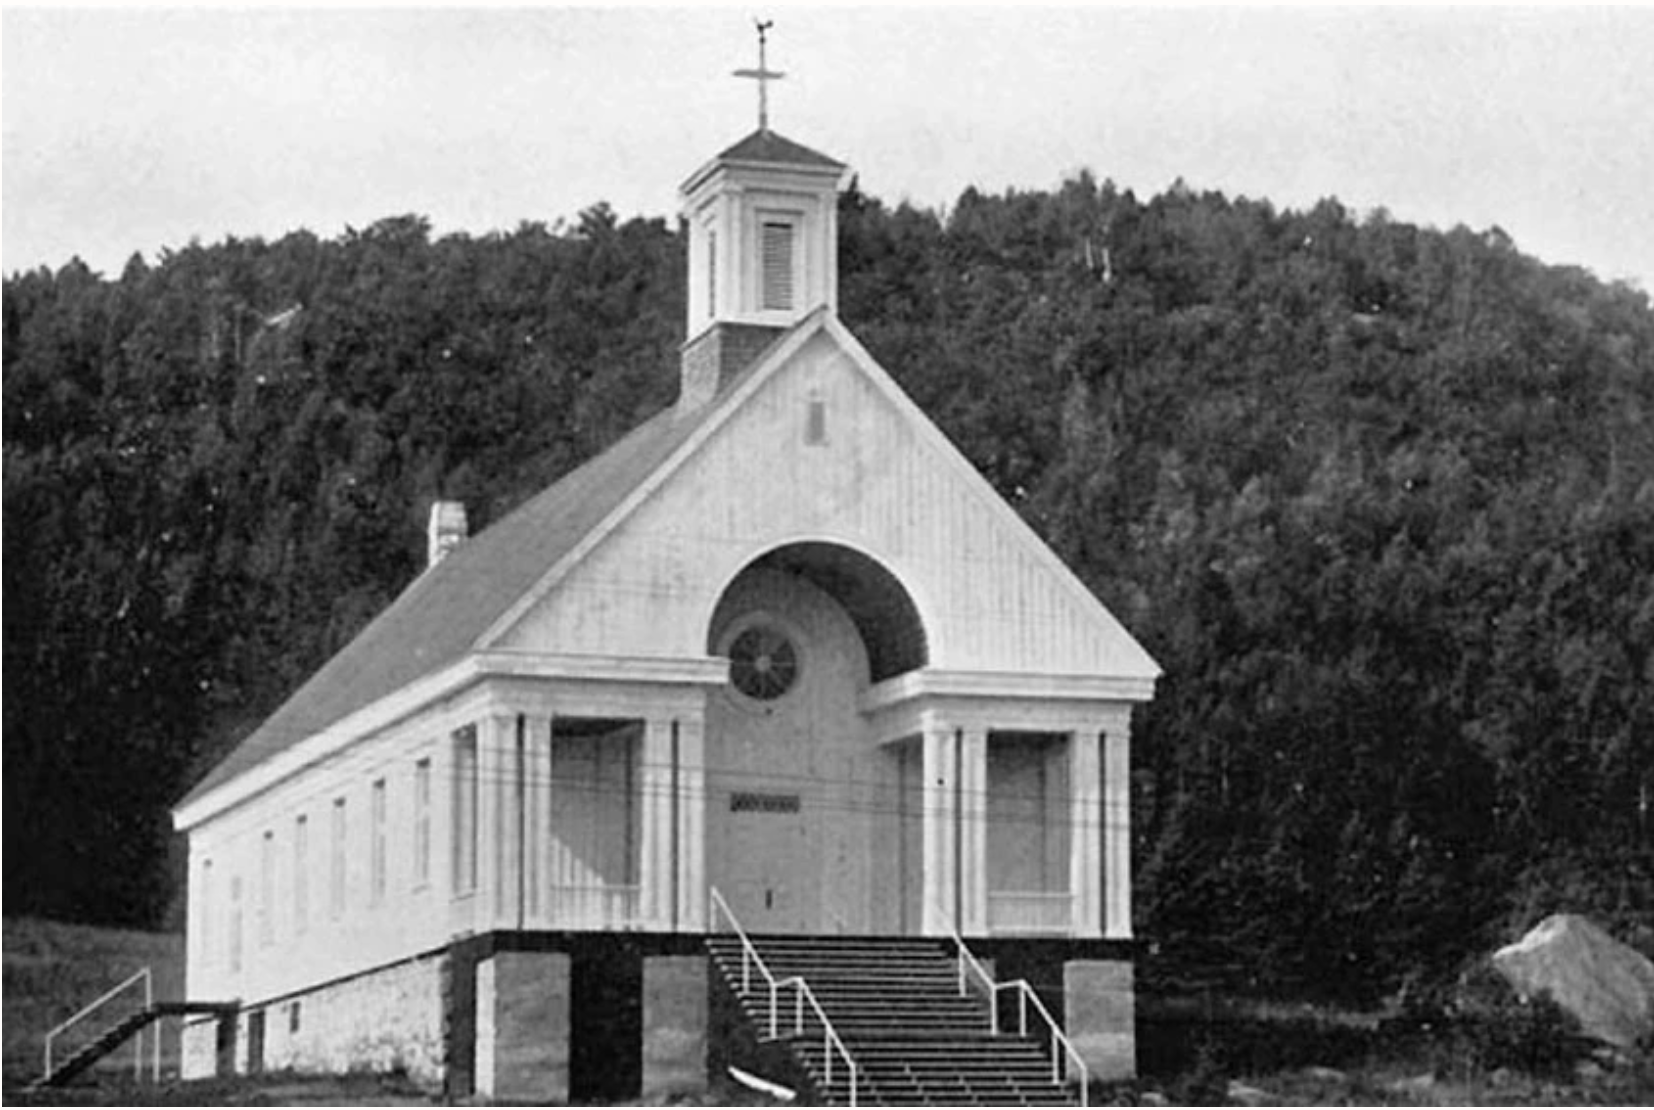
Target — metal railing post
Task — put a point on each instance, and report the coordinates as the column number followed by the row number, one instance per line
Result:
column 802, row 993
column 87, row 1010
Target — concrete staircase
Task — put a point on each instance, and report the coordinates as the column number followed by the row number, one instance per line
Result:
column 896, row 1005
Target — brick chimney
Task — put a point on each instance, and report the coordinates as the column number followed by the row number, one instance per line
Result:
column 447, row 531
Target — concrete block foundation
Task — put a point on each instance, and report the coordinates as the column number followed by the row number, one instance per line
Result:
column 522, row 1046
column 674, row 1025
column 1100, row 1016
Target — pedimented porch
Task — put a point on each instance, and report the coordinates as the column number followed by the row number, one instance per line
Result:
column 611, row 805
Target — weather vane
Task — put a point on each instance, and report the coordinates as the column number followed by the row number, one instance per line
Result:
column 763, row 75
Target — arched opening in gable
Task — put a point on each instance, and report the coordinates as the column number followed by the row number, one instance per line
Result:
column 874, row 599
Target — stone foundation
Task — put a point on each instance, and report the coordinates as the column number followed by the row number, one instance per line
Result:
column 1100, row 1016
column 385, row 1020
column 522, row 1046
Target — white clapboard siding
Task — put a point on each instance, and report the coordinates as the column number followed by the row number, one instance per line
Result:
column 989, row 595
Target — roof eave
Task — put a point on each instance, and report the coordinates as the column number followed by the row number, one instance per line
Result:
column 839, row 174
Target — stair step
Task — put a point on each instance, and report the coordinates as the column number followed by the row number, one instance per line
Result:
column 896, row 1006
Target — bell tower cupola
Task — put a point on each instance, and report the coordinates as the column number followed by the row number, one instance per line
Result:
column 762, row 219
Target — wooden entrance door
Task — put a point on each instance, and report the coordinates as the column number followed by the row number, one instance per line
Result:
column 774, row 877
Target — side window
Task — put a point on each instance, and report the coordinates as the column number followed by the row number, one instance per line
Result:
column 235, row 923
column 208, row 925
column 465, row 810
column 267, row 889
column 422, row 822
column 377, row 879
column 336, row 869
column 301, row 872
column 711, row 273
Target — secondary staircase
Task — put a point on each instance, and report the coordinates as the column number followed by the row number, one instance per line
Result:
column 61, row 1071
column 898, row 1022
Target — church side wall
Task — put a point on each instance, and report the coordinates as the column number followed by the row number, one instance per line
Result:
column 989, row 598
column 269, row 915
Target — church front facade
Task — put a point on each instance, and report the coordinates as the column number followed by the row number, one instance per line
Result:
column 779, row 656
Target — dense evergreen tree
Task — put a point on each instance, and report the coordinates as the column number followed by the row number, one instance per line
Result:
column 1379, row 498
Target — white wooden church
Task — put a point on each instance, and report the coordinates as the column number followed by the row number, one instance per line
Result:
column 781, row 642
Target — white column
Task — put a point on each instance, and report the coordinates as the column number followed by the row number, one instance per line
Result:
column 692, row 823
column 514, row 829
column 1117, row 829
column 939, row 788
column 537, row 852
column 496, row 741
column 973, row 830
column 1086, row 833
column 654, row 785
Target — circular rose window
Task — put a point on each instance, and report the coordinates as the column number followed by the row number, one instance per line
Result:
column 763, row 664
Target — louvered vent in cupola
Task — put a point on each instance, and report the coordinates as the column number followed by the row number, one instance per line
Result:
column 778, row 266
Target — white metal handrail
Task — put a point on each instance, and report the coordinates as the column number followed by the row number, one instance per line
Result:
column 143, row 976
column 1059, row 1039
column 1061, row 1046
column 830, row 1040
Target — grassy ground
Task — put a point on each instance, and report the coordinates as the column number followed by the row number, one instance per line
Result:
column 1189, row 1056
column 1311, row 1057
column 1426, row 1080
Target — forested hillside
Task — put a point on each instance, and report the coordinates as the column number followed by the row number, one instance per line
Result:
column 1379, row 498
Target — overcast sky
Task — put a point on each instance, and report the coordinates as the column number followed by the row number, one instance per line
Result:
column 135, row 129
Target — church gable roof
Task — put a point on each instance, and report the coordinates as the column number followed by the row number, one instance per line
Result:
column 477, row 595
column 444, row 613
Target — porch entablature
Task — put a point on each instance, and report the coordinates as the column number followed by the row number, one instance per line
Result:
column 619, row 677
column 898, row 709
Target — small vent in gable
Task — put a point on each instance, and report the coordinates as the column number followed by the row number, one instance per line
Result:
column 778, row 266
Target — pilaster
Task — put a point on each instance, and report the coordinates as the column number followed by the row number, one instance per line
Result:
column 939, row 769
column 1117, row 830
column 654, row 784
column 691, row 808
column 537, row 861
column 496, row 733
column 1085, row 836
column 973, row 831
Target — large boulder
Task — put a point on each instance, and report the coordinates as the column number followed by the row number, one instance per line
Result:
column 1606, row 986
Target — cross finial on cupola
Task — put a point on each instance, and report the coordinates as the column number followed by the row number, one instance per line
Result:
column 763, row 75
